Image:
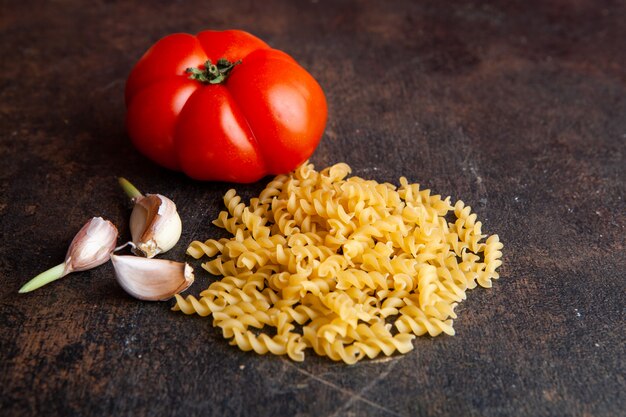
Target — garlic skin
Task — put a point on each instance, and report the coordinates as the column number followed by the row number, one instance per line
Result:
column 151, row 279
column 155, row 225
column 92, row 245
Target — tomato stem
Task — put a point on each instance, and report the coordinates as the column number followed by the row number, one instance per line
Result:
column 212, row 73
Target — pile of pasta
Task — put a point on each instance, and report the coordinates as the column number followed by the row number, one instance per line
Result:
column 346, row 266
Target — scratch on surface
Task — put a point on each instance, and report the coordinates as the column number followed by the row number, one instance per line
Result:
column 359, row 395
column 482, row 190
column 108, row 86
column 353, row 396
column 471, row 166
column 479, row 180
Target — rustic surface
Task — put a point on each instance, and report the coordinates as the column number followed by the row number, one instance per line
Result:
column 518, row 108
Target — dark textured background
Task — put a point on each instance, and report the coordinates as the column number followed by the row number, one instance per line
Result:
column 516, row 107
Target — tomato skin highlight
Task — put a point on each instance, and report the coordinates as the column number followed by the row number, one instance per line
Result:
column 152, row 117
column 229, row 44
column 288, row 117
column 213, row 137
column 170, row 56
column 266, row 117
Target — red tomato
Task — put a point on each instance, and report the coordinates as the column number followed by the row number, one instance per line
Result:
column 249, row 112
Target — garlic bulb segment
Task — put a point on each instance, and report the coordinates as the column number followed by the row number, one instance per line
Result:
column 151, row 279
column 91, row 247
column 155, row 225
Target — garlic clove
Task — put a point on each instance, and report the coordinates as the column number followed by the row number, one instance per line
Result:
column 151, row 279
column 91, row 247
column 155, row 225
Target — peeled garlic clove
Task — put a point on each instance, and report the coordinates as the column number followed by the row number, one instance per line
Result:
column 155, row 225
column 151, row 279
column 91, row 247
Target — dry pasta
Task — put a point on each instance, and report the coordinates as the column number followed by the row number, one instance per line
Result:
column 348, row 267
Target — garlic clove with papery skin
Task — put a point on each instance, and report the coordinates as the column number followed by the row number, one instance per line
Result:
column 151, row 279
column 91, row 247
column 155, row 225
